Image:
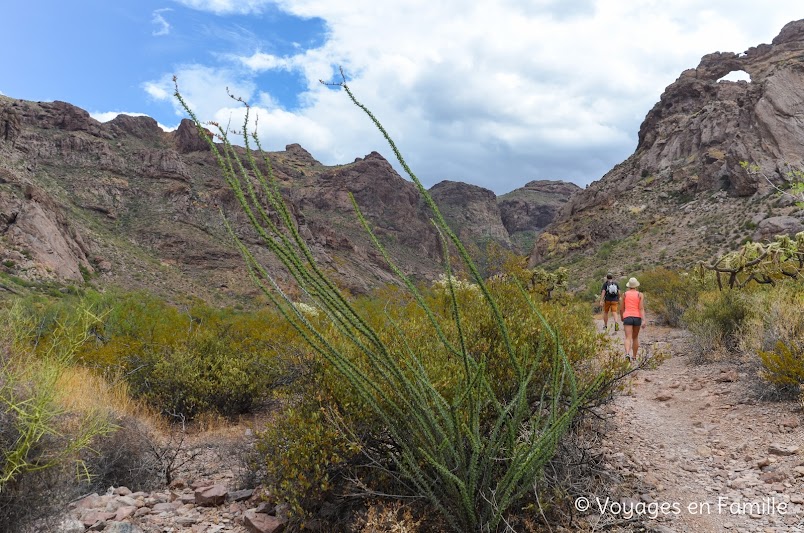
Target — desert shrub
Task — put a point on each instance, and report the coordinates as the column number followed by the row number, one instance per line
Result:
column 715, row 320
column 182, row 361
column 202, row 375
column 123, row 458
column 670, row 293
column 469, row 444
column 784, row 367
column 303, row 456
column 605, row 250
column 41, row 439
column 777, row 316
column 774, row 332
column 332, row 426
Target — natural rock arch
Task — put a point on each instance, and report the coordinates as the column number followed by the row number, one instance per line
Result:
column 736, row 75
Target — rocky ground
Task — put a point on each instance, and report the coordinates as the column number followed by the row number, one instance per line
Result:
column 205, row 496
column 698, row 450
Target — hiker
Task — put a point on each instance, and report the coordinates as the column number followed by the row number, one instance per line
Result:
column 610, row 300
column 632, row 315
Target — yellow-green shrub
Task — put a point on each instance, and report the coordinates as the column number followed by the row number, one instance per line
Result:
column 716, row 318
column 182, row 361
column 777, row 315
column 775, row 333
column 39, row 433
column 304, row 453
column 303, row 444
column 784, row 366
column 669, row 293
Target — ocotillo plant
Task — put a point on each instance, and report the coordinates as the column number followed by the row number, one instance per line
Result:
column 471, row 455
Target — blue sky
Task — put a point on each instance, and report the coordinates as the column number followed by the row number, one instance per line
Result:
column 495, row 92
column 98, row 54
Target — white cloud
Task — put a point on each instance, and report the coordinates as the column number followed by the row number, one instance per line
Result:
column 203, row 88
column 227, row 7
column 495, row 93
column 157, row 90
column 162, row 26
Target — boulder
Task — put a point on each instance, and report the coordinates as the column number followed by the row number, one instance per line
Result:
column 262, row 523
column 211, row 496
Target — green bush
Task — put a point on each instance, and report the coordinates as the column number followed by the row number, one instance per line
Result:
column 40, row 439
column 182, row 361
column 327, row 422
column 784, row 367
column 715, row 320
column 774, row 332
column 201, row 375
column 305, row 453
column 670, row 294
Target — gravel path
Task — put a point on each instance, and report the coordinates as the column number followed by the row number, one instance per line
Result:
column 701, row 452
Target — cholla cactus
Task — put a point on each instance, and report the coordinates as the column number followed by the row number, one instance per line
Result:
column 460, row 286
column 306, row 309
column 761, row 262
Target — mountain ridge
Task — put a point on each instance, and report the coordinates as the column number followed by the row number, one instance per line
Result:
column 126, row 203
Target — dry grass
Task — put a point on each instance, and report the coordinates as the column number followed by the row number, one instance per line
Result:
column 393, row 517
column 84, row 391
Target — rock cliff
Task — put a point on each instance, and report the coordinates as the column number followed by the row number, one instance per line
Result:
column 473, row 212
column 686, row 193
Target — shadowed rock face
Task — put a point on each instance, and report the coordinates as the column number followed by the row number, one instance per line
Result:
column 528, row 210
column 139, row 207
column 472, row 211
column 685, row 182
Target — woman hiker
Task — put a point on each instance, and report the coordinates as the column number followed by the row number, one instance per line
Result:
column 632, row 315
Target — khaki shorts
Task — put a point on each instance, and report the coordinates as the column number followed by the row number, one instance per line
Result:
column 611, row 306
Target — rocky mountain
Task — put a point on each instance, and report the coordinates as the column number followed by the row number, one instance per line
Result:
column 473, row 212
column 125, row 203
column 528, row 210
column 686, row 193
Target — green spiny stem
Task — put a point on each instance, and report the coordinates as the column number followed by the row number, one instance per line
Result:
column 406, row 280
column 443, row 224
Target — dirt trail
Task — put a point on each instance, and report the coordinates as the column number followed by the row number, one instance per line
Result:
column 696, row 440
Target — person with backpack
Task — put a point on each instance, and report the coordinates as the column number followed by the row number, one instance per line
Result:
column 632, row 315
column 610, row 300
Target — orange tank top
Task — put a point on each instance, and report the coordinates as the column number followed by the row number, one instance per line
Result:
column 631, row 300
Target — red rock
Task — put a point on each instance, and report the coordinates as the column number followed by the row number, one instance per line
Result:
column 88, row 502
column 209, row 496
column 169, row 507
column 774, row 476
column 124, row 512
column 91, row 517
column 262, row 523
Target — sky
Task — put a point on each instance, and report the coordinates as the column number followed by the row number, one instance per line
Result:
column 494, row 93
